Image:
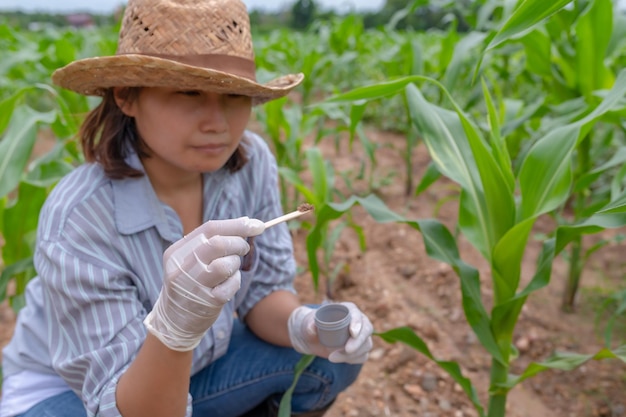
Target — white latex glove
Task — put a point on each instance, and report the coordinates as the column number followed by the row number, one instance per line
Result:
column 201, row 274
column 304, row 339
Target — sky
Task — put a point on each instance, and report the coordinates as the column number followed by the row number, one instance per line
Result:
column 107, row 6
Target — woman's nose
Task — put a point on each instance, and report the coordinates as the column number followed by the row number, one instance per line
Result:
column 213, row 114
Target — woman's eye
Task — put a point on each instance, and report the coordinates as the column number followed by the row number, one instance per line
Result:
column 190, row 93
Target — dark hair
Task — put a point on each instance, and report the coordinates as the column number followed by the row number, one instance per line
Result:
column 107, row 133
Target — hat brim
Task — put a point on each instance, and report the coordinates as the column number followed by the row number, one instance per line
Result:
column 93, row 76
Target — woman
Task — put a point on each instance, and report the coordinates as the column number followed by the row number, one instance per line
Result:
column 140, row 307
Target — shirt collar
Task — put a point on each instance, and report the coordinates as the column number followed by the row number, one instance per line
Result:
column 137, row 206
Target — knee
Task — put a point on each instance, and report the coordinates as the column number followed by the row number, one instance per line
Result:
column 321, row 383
column 345, row 373
column 337, row 376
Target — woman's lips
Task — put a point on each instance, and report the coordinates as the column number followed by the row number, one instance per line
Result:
column 211, row 149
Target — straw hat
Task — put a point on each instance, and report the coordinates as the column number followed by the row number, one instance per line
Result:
column 186, row 44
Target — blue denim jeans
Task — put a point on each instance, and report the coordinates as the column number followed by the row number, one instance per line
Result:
column 251, row 372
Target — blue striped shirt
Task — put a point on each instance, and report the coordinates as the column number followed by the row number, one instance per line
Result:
column 99, row 264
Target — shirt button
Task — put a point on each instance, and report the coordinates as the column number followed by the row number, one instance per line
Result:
column 221, row 334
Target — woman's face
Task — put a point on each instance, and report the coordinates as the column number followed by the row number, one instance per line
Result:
column 188, row 131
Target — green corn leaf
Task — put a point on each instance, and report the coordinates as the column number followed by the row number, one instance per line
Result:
column 504, row 319
column 402, row 13
column 446, row 52
column 356, row 115
column 618, row 205
column 487, row 208
column 440, row 245
column 415, row 50
column 374, row 91
column 26, row 55
column 65, row 50
column 546, row 173
column 611, row 101
column 513, row 123
column 542, row 275
column 322, row 173
column 499, row 204
column 17, row 145
column 618, row 36
column 507, row 260
column 20, row 222
column 612, row 216
column 440, row 129
column 504, row 316
column 292, row 177
column 292, row 124
column 618, row 159
column 7, row 107
column 431, row 175
column 408, row 337
column 284, row 409
column 274, row 120
column 464, row 50
column 538, row 52
column 617, row 181
column 368, row 145
column 592, row 45
column 23, row 266
column 3, row 203
column 506, row 268
column 332, row 239
column 526, row 16
column 444, row 137
column 596, row 224
column 314, row 241
column 48, row 169
column 498, row 144
column 565, row 361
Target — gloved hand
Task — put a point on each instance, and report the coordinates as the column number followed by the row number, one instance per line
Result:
column 201, row 274
column 304, row 338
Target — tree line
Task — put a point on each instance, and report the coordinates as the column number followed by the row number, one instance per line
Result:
column 299, row 15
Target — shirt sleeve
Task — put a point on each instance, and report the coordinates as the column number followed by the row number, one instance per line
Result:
column 95, row 318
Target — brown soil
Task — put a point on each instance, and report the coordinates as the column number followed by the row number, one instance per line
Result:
column 397, row 284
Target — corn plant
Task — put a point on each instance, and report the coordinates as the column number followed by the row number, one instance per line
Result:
column 25, row 183
column 29, row 106
column 613, row 306
column 498, row 208
column 573, row 60
column 285, row 126
column 324, row 233
column 491, row 148
column 498, row 224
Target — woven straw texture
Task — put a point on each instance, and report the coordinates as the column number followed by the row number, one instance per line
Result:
column 187, row 44
column 186, row 27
